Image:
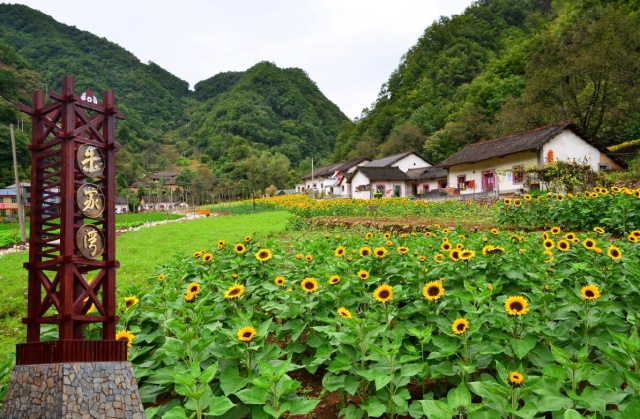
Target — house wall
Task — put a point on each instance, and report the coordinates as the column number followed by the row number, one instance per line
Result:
column 410, row 162
column 432, row 183
column 503, row 167
column 348, row 191
column 389, row 187
column 359, row 180
column 568, row 147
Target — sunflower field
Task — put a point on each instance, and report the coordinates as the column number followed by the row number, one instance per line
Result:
column 439, row 323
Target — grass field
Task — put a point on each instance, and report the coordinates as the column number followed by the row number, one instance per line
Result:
column 138, row 253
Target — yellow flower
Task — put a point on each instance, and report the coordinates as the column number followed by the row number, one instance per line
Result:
column 515, row 379
column 383, row 293
column 339, row 252
column 459, row 246
column 234, row 291
column 380, row 252
column 264, row 255
column 590, row 292
column 387, row 236
column 598, row 230
column 279, row 281
column 246, row 334
column 495, row 231
column 389, row 243
column 368, row 236
column 454, row 254
column 555, row 230
column 507, row 201
column 207, row 257
column 438, row 258
column 548, row 244
column 299, row 256
column 247, row 238
column 422, row 258
column 527, row 197
column 614, row 253
column 402, row 250
column 221, row 243
column 467, row 254
column 308, row 258
column 365, row 251
column 589, row 244
column 239, row 248
column 460, row 326
column 517, row 202
column 344, row 313
column 161, row 277
column 632, row 238
column 490, row 287
column 91, row 309
column 194, row 288
column 198, row 254
column 563, row 245
column 334, row 279
column 190, row 297
column 130, row 301
column 635, row 233
column 126, row 336
column 363, row 274
column 433, row 290
column 570, row 236
column 516, row 306
column 309, row 285
column 446, row 246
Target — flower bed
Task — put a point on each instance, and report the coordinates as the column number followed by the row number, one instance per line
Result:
column 434, row 324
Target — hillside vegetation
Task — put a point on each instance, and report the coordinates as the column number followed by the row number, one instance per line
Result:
column 498, row 68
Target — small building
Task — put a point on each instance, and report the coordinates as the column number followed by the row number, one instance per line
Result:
column 9, row 199
column 327, row 179
column 497, row 166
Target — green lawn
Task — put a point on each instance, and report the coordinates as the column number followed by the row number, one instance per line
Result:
column 139, row 253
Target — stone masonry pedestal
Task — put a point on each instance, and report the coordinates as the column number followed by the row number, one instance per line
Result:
column 82, row 390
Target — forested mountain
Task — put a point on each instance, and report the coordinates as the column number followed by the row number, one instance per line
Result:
column 228, row 123
column 500, row 67
column 505, row 66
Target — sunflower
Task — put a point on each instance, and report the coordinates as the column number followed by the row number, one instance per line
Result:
column 221, row 243
column 190, row 297
column 91, row 309
column 515, row 379
column 632, row 238
column 368, row 236
column 365, row 251
column 507, row 201
column 495, row 231
column 459, row 246
column 193, row 287
column 445, row 230
column 490, row 287
column 589, row 244
column 383, row 293
column 446, row 246
column 380, row 252
column 548, row 244
column 198, row 254
column 161, row 277
column 516, row 305
column 467, row 254
column 614, row 253
column 264, row 255
column 239, row 248
column 362, row 274
column 338, row 236
column 433, row 290
column 460, row 326
column 402, row 250
column 247, row 238
column 438, row 258
column 280, row 281
column 517, row 202
column 127, row 336
column 527, row 197
column 389, row 243
column 570, row 236
column 299, row 256
column 387, row 236
column 334, row 279
column 597, row 250
column 207, row 257
column 590, row 292
column 130, row 301
column 349, row 258
column 598, row 230
column 344, row 313
column 545, row 235
column 454, row 254
column 422, row 258
column 309, row 285
column 559, row 197
column 234, row 291
column 487, row 250
column 308, row 258
column 563, row 245
column 555, row 230
column 340, row 251
column 246, row 334
column 635, row 233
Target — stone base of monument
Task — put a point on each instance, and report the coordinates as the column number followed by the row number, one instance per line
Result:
column 73, row 390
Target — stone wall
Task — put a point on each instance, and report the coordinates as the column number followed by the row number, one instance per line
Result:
column 74, row 390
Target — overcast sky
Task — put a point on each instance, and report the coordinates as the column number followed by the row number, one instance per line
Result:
column 348, row 47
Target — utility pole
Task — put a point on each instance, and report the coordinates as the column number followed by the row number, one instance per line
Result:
column 313, row 188
column 23, row 234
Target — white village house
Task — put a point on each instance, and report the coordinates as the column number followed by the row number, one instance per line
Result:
column 326, row 179
column 498, row 165
column 401, row 175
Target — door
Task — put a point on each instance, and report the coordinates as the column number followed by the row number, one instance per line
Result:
column 488, row 181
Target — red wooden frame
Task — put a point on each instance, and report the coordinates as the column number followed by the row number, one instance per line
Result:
column 59, row 290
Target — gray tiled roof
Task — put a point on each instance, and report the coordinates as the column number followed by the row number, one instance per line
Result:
column 383, row 173
column 532, row 140
column 427, row 173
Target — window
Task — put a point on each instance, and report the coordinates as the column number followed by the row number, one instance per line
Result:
column 425, row 188
column 442, row 184
column 14, row 200
column 518, row 174
column 380, row 189
column 462, row 181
